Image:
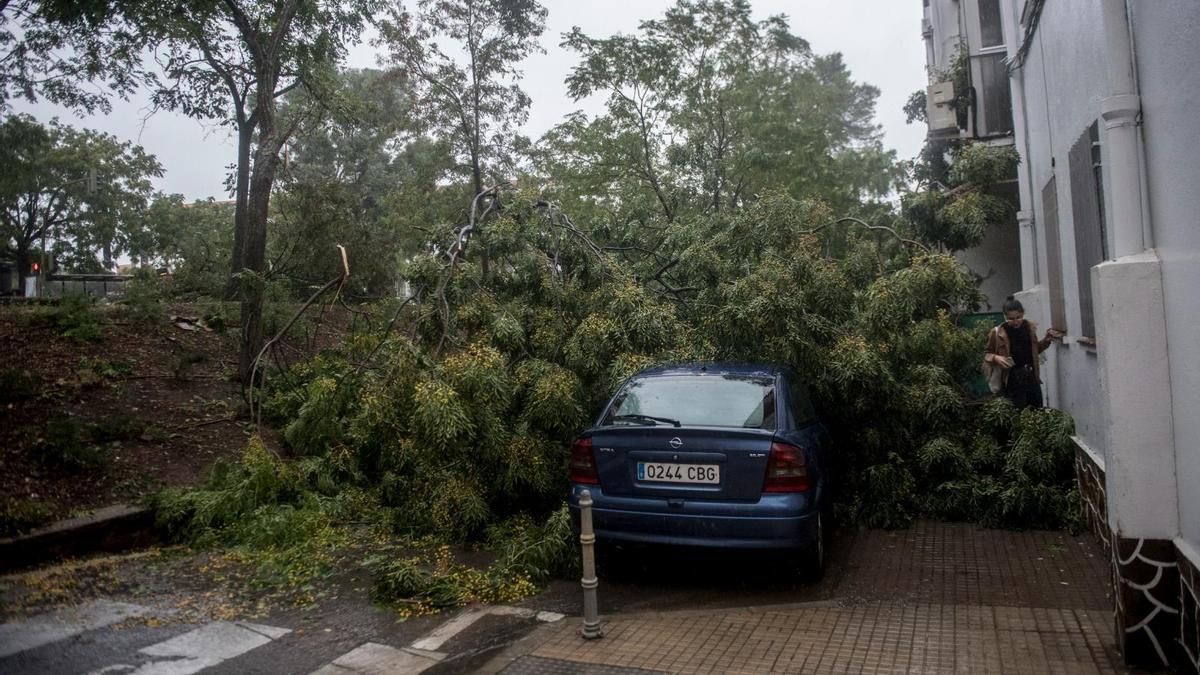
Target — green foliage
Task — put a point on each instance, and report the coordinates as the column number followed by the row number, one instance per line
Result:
column 75, row 317
column 915, row 108
column 45, row 186
column 471, row 100
column 701, row 118
column 217, row 315
column 527, row 554
column 230, row 494
column 699, row 221
column 94, row 370
column 21, row 515
column 181, row 365
column 66, row 444
column 143, row 296
column 192, row 240
column 984, row 164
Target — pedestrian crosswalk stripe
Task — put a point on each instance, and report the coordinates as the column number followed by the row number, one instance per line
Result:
column 440, row 635
column 63, row 624
column 201, row 648
column 377, row 659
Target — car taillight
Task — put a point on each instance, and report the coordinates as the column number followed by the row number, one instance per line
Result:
column 787, row 470
column 583, row 463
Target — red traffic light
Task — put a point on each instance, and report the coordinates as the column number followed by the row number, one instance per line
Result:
column 37, row 267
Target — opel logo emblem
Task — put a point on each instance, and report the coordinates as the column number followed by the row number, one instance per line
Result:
column 675, row 442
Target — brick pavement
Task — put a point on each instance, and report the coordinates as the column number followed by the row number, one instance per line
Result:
column 939, row 598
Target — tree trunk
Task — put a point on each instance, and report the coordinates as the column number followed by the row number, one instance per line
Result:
column 254, row 253
column 24, row 260
column 241, row 197
column 477, row 181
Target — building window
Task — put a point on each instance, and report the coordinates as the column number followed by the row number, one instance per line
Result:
column 991, row 32
column 1058, row 311
column 995, row 97
column 1087, row 209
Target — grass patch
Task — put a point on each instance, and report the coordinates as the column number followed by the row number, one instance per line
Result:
column 66, row 445
column 75, row 317
column 22, row 515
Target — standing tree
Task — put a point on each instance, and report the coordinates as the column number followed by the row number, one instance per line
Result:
column 190, row 239
column 249, row 51
column 362, row 175
column 706, row 109
column 77, row 54
column 473, row 101
column 252, row 53
column 45, row 191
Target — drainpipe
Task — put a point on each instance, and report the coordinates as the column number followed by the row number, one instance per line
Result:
column 1120, row 111
column 1025, row 218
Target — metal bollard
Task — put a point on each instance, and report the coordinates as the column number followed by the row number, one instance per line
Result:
column 587, row 537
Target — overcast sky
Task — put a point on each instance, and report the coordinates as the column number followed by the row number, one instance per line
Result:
column 880, row 40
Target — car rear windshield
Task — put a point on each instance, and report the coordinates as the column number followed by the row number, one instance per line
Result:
column 696, row 400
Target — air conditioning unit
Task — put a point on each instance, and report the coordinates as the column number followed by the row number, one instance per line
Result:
column 939, row 109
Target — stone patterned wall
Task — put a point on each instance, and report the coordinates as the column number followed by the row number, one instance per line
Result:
column 1095, row 501
column 1189, row 624
column 1148, row 602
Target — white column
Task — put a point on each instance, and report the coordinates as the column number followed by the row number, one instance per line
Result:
column 1135, row 380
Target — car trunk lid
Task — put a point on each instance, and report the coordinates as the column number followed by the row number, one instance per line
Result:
column 706, row 463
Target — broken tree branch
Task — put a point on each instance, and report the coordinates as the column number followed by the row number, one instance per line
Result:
column 259, row 376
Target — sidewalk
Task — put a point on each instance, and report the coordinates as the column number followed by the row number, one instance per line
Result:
column 935, row 599
column 825, row 639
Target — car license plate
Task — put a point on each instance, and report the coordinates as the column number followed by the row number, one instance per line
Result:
column 709, row 474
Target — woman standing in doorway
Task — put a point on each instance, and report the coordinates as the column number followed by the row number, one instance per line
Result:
column 1014, row 347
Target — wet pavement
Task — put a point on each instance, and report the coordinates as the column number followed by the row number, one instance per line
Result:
column 935, row 598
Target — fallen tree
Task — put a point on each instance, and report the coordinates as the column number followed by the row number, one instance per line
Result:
column 457, row 424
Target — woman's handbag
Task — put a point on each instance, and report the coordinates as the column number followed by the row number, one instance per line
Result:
column 995, row 377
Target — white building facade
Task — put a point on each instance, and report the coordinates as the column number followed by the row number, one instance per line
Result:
column 1105, row 98
column 953, row 31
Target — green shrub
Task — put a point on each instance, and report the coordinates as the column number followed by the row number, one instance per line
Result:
column 66, row 444
column 218, row 315
column 181, row 366
column 96, row 370
column 230, row 493
column 118, row 427
column 18, row 516
column 75, row 317
column 142, row 300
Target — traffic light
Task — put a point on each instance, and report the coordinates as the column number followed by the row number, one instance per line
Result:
column 37, row 267
column 91, row 182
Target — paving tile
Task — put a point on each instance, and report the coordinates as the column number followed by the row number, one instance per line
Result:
column 939, row 598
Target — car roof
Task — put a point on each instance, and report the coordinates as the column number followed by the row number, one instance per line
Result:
column 715, row 368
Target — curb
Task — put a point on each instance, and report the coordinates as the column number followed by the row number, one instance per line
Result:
column 525, row 646
column 108, row 530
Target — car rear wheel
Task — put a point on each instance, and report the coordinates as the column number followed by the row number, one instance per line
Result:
column 812, row 561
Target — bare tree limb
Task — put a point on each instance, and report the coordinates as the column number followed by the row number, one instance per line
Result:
column 884, row 228
column 256, row 374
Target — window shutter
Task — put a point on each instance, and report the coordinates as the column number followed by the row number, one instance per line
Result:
column 1058, row 312
column 1087, row 210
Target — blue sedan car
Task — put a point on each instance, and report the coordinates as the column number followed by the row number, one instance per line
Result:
column 709, row 455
